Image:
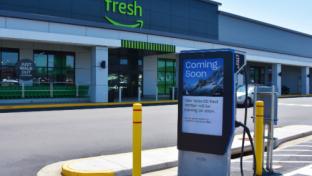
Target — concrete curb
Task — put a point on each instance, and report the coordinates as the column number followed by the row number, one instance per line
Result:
column 291, row 138
column 165, row 163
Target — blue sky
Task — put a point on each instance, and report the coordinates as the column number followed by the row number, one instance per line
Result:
column 292, row 14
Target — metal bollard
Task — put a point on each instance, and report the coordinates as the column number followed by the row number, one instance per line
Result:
column 120, row 93
column 173, row 93
column 139, row 94
column 270, row 137
column 259, row 132
column 77, row 90
column 23, row 90
column 156, row 95
column 51, row 90
column 137, row 139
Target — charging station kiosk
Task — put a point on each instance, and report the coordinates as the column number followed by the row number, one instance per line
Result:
column 206, row 121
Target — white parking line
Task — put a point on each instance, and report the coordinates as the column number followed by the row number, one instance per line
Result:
column 290, row 155
column 300, row 145
column 303, row 171
column 300, row 105
column 278, row 161
column 294, row 150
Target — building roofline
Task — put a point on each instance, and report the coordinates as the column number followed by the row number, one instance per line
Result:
column 212, row 2
column 265, row 24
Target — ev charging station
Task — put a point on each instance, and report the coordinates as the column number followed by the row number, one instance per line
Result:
column 207, row 114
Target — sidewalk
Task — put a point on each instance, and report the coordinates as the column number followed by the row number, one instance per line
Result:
column 289, row 164
column 152, row 160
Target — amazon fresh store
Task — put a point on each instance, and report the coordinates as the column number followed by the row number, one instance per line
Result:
column 101, row 50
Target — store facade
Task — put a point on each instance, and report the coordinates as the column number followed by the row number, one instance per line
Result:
column 91, row 50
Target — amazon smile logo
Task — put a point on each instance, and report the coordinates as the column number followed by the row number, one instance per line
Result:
column 123, row 8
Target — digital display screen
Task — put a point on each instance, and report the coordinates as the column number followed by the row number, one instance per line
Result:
column 202, row 96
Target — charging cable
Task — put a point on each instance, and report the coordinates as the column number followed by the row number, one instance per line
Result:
column 246, row 129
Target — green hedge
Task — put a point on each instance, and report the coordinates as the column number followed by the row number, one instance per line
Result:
column 42, row 91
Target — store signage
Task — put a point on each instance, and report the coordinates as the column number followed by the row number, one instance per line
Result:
column 25, row 69
column 206, row 109
column 127, row 9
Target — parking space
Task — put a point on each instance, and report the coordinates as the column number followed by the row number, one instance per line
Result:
column 293, row 159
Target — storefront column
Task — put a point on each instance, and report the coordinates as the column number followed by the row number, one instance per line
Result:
column 99, row 75
column 277, row 77
column 305, row 80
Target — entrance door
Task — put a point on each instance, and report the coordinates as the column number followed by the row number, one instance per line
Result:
column 126, row 72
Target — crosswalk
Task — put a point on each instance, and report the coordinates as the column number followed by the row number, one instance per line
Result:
column 305, row 171
column 296, row 159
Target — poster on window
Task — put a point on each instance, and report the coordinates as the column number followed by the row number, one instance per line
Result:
column 25, row 69
column 202, row 97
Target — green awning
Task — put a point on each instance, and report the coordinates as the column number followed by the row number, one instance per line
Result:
column 148, row 46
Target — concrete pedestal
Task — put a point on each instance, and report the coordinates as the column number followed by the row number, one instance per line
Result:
column 201, row 164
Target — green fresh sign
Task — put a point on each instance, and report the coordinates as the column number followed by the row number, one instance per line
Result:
column 123, row 8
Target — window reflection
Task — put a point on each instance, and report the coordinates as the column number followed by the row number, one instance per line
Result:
column 126, row 72
column 8, row 61
column 166, row 73
column 56, row 67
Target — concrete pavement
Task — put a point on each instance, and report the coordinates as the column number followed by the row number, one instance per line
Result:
column 291, row 159
column 156, row 159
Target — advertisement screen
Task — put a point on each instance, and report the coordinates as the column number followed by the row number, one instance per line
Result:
column 202, row 97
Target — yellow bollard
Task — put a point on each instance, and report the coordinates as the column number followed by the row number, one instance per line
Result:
column 137, row 139
column 259, row 132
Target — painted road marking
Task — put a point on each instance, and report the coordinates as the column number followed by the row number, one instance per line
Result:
column 300, row 105
column 279, row 161
column 294, row 150
column 307, row 171
column 292, row 155
column 301, row 145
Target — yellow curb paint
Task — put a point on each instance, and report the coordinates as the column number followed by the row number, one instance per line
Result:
column 74, row 105
column 68, row 171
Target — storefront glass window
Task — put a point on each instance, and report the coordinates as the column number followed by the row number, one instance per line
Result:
column 166, row 75
column 41, row 60
column 70, row 61
column 123, row 61
column 55, row 67
column 257, row 75
column 8, row 61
